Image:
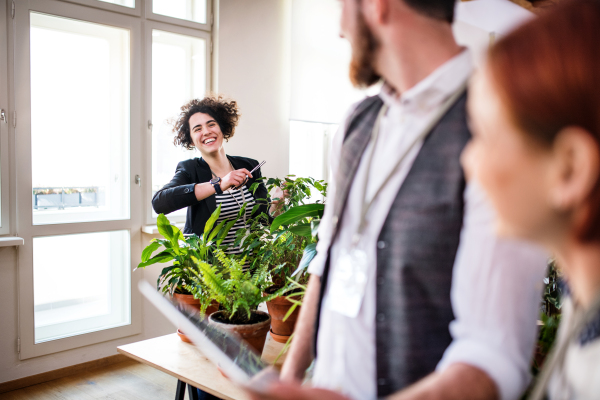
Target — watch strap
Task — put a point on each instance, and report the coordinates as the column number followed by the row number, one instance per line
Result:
column 217, row 187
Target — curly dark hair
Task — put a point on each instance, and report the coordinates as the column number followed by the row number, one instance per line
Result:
column 224, row 111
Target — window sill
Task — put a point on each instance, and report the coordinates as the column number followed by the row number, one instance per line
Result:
column 11, row 241
column 153, row 229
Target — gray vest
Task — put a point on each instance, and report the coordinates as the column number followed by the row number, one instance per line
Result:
column 416, row 246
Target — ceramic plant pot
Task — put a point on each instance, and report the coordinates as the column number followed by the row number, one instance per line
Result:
column 278, row 308
column 189, row 300
column 255, row 334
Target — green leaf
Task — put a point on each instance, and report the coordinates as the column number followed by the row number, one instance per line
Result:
column 223, row 234
column 296, row 214
column 290, row 311
column 211, row 221
column 314, row 227
column 216, row 230
column 164, row 227
column 159, row 258
column 147, row 252
column 310, row 251
column 301, row 230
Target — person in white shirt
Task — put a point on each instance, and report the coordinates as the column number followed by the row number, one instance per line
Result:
column 418, row 127
column 536, row 152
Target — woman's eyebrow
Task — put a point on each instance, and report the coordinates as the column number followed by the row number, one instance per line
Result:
column 207, row 122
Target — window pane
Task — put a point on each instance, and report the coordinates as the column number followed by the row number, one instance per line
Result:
column 81, row 283
column 309, row 147
column 191, row 10
column 126, row 3
column 178, row 75
column 79, row 120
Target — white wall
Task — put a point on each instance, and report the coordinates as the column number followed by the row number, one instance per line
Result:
column 252, row 67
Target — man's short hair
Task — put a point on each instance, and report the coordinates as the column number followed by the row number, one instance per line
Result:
column 437, row 9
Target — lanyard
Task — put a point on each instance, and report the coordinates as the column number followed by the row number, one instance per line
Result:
column 375, row 135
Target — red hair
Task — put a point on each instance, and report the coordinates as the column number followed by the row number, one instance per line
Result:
column 548, row 75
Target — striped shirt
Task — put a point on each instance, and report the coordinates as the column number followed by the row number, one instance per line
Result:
column 230, row 208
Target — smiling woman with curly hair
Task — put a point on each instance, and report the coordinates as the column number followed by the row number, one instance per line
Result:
column 201, row 184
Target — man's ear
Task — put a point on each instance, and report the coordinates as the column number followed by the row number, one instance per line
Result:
column 576, row 167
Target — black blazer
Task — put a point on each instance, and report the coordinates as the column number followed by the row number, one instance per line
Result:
column 179, row 193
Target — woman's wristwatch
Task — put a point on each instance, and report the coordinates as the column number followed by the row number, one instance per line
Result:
column 216, row 182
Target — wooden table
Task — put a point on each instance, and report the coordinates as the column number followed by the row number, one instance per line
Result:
column 185, row 362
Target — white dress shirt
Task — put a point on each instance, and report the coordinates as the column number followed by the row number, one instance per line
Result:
column 496, row 284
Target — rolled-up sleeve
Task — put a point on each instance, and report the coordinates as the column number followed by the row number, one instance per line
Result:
column 496, row 294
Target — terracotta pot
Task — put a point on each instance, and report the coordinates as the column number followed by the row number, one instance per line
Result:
column 254, row 334
column 183, row 336
column 279, row 338
column 189, row 300
column 278, row 308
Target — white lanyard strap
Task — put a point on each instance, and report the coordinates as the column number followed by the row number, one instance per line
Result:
column 375, row 135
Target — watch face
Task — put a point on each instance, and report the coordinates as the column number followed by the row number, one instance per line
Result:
column 215, row 180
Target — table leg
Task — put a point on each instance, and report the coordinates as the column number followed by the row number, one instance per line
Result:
column 192, row 393
column 180, row 393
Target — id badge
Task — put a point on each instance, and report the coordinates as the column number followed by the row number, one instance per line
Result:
column 348, row 282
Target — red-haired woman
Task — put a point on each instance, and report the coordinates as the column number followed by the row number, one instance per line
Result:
column 535, row 112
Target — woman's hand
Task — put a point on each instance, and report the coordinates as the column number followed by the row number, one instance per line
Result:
column 277, row 205
column 235, row 178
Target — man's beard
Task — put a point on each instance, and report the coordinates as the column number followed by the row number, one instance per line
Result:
column 362, row 70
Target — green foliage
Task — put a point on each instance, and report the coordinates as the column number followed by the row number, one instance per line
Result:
column 298, row 292
column 548, row 332
column 290, row 240
column 552, row 291
column 238, row 292
column 299, row 189
column 296, row 215
column 181, row 276
column 550, row 315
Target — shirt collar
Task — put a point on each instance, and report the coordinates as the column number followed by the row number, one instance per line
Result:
column 435, row 88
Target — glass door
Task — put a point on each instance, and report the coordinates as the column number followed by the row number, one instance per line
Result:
column 79, row 187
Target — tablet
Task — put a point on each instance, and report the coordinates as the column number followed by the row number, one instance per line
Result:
column 238, row 360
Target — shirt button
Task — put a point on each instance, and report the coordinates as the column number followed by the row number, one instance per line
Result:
column 187, row 190
column 380, row 280
column 381, row 381
column 381, row 317
column 381, row 244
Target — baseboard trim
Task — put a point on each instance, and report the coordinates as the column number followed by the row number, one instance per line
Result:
column 60, row 373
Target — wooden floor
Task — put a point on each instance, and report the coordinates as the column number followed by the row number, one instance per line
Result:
column 128, row 380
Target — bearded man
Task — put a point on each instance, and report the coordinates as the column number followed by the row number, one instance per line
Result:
column 411, row 295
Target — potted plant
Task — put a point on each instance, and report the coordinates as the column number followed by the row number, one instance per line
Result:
column 287, row 246
column 180, row 279
column 239, row 293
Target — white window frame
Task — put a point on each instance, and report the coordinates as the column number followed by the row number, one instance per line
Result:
column 27, row 230
column 136, row 11
column 15, row 146
column 181, row 22
column 180, row 30
column 5, row 127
